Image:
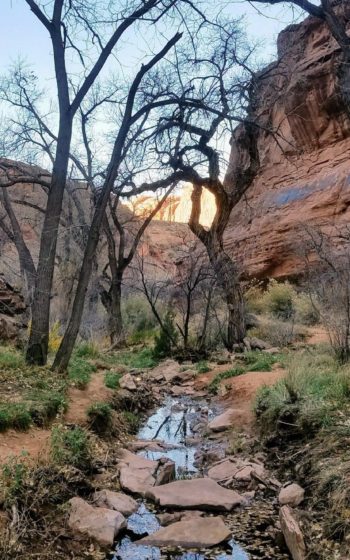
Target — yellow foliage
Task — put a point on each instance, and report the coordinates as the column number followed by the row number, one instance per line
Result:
column 54, row 337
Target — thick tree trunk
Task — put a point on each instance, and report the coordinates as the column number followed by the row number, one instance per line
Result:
column 228, row 278
column 39, row 334
column 112, row 303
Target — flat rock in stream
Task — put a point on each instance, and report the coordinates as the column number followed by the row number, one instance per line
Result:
column 100, row 524
column 235, row 469
column 222, row 422
column 165, row 370
column 190, row 533
column 153, row 445
column 198, row 493
column 117, row 501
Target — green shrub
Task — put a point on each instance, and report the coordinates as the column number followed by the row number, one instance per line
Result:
column 278, row 299
column 215, row 382
column 45, row 405
column 139, row 320
column 100, row 417
column 112, row 379
column 79, row 372
column 10, row 358
column 167, row 338
column 202, row 367
column 306, row 313
column 132, row 420
column 12, row 477
column 259, row 361
column 86, row 350
column 71, row 447
column 278, row 333
column 14, row 415
column 312, row 393
column 138, row 359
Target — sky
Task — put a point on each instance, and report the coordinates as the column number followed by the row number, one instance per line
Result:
column 21, row 35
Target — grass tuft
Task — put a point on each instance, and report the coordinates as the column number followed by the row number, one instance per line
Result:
column 79, row 372
column 112, row 379
column 100, row 417
column 71, row 447
column 215, row 382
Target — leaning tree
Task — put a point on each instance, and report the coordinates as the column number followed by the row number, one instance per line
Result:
column 83, row 37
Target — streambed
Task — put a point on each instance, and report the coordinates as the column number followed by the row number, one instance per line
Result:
column 177, row 423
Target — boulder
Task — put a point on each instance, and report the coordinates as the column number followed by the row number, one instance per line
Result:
column 100, row 524
column 222, row 422
column 292, row 533
column 165, row 370
column 258, row 344
column 166, row 519
column 128, row 383
column 136, row 473
column 190, row 533
column 198, row 493
column 117, row 501
column 291, row 495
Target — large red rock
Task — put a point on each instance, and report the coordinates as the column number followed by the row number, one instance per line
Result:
column 100, row 524
column 292, row 533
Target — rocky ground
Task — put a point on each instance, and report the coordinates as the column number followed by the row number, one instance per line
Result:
column 182, row 491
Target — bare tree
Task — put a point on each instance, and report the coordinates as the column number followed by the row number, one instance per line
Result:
column 120, row 255
column 79, row 30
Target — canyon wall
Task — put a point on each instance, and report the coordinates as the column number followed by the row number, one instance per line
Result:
column 304, row 176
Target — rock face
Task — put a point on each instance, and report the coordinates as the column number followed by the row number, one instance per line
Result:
column 196, row 533
column 198, row 493
column 12, row 307
column 304, row 178
column 100, row 524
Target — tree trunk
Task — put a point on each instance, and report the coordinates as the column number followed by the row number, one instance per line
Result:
column 111, row 301
column 39, row 333
column 228, row 278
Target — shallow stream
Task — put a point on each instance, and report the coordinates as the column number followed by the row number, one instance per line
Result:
column 176, row 423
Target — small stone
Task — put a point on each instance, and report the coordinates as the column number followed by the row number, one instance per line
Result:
column 222, row 422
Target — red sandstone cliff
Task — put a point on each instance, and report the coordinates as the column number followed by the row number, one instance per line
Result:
column 304, row 175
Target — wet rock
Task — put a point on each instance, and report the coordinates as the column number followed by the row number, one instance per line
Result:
column 115, row 500
column 166, row 519
column 153, row 445
column 127, row 382
column 198, row 493
column 291, row 495
column 191, row 533
column 292, row 533
column 222, row 422
column 100, row 524
column 166, row 471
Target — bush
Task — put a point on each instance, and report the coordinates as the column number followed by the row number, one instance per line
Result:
column 10, row 358
column 100, row 417
column 311, row 394
column 214, row 385
column 202, row 367
column 164, row 343
column 86, row 350
column 278, row 333
column 139, row 320
column 14, row 415
column 112, row 379
column 55, row 337
column 132, row 420
column 278, row 299
column 45, row 405
column 79, row 372
column 259, row 361
column 305, row 311
column 71, row 447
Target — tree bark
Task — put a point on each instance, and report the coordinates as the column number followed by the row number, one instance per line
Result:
column 111, row 301
column 228, row 278
column 39, row 334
